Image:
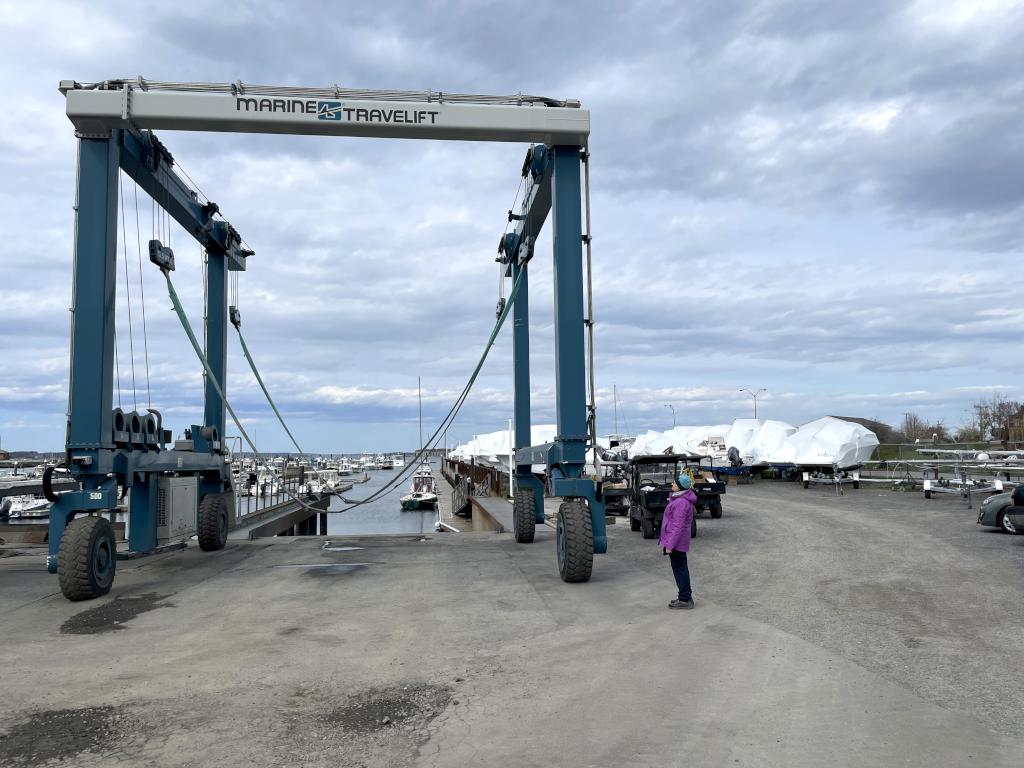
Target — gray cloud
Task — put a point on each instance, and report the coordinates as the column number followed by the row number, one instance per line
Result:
column 823, row 199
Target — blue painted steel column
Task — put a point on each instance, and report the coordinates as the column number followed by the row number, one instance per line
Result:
column 91, row 378
column 570, row 361
column 91, row 381
column 521, row 384
column 216, row 338
column 521, row 359
column 142, row 514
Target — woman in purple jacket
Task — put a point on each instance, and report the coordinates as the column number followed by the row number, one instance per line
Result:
column 675, row 537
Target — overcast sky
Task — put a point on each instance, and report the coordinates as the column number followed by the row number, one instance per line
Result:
column 824, row 199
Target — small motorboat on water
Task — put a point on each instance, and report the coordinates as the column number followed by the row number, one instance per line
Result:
column 424, row 491
column 423, row 494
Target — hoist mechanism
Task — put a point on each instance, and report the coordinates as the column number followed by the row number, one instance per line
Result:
column 108, row 449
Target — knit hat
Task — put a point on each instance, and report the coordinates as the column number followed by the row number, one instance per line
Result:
column 684, row 482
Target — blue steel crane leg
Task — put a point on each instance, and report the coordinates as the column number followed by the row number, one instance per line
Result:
column 521, row 383
column 216, row 337
column 89, row 437
column 570, row 449
column 142, row 514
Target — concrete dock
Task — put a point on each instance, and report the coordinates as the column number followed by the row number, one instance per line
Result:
column 872, row 629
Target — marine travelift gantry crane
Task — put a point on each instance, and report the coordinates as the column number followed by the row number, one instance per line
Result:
column 175, row 485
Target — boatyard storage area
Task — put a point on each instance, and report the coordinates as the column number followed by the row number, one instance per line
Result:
column 864, row 629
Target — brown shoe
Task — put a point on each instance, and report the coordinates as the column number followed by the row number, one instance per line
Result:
column 681, row 604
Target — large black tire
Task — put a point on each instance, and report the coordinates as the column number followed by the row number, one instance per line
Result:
column 716, row 509
column 574, row 537
column 693, row 528
column 87, row 558
column 927, row 494
column 524, row 516
column 649, row 527
column 213, row 523
column 634, row 524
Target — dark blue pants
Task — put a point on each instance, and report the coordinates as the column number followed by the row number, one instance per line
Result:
column 682, row 573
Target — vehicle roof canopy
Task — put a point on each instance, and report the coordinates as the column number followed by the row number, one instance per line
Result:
column 666, row 458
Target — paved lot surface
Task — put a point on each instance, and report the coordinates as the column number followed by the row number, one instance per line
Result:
column 875, row 629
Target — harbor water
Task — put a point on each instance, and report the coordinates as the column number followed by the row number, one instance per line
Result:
column 384, row 514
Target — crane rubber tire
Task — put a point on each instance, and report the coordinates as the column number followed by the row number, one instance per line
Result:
column 574, row 537
column 213, row 523
column 648, row 527
column 524, row 520
column 87, row 558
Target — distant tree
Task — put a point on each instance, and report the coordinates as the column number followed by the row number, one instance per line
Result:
column 968, row 433
column 915, row 428
column 994, row 416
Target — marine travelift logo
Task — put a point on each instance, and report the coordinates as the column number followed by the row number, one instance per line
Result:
column 337, row 111
column 328, row 110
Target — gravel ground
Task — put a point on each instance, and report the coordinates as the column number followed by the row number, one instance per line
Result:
column 872, row 629
column 912, row 589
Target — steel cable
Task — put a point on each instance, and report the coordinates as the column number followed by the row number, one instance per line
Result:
column 183, row 318
column 452, row 413
column 127, row 289
column 142, row 295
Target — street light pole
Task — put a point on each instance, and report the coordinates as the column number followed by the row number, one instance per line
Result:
column 754, row 395
column 669, row 405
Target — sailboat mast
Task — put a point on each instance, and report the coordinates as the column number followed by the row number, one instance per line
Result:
column 615, row 399
column 419, row 397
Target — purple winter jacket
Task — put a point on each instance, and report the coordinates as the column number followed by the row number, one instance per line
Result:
column 676, row 522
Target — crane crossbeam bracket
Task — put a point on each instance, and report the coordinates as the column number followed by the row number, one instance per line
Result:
column 98, row 108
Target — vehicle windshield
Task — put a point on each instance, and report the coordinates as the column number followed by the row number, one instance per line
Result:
column 656, row 474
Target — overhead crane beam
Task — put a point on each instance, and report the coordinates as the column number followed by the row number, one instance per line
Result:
column 234, row 107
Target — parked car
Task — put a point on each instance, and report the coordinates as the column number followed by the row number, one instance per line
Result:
column 1013, row 515
column 993, row 513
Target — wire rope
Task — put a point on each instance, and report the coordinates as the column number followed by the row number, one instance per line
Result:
column 452, row 413
column 127, row 289
column 187, row 326
column 117, row 368
column 142, row 296
column 431, row 442
column 266, row 392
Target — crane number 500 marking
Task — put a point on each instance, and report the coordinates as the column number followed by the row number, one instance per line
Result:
column 96, row 496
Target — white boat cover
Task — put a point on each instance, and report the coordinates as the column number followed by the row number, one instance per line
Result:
column 493, row 447
column 827, row 441
column 823, row 442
